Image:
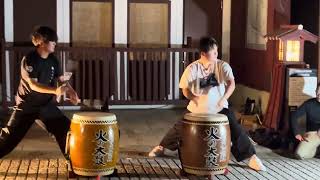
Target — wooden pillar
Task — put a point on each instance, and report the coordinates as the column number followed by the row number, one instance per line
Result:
column 1, row 19
column 319, row 43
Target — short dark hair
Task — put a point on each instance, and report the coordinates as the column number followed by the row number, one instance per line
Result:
column 44, row 33
column 207, row 43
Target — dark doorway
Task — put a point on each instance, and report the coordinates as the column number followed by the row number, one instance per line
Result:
column 307, row 13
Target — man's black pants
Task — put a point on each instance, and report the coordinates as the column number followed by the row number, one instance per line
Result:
column 21, row 121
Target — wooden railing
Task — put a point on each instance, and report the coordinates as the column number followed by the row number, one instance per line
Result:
column 119, row 75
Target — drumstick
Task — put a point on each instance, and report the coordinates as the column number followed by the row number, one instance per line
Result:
column 58, row 98
column 78, row 100
column 69, row 86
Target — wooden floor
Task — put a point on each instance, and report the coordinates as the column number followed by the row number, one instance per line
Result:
column 161, row 168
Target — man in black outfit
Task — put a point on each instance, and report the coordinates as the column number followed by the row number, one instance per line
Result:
column 309, row 141
column 40, row 73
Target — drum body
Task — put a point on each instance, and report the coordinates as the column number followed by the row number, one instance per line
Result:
column 93, row 143
column 205, row 144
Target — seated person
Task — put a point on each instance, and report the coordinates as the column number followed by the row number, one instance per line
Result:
column 309, row 141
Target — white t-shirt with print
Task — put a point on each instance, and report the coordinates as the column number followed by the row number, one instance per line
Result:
column 208, row 98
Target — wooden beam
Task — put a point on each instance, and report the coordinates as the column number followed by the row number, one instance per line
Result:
column 319, row 45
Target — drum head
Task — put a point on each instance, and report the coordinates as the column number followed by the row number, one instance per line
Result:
column 94, row 116
column 206, row 117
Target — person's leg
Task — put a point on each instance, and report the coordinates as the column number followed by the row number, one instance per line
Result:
column 56, row 123
column 172, row 137
column 242, row 147
column 169, row 142
column 307, row 149
column 318, row 148
column 15, row 129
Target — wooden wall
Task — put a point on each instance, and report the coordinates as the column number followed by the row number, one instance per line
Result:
column 92, row 23
column 253, row 67
column 1, row 19
column 1, row 34
column 203, row 18
column 31, row 13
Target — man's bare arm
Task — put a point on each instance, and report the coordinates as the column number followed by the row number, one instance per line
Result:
column 35, row 86
column 230, row 87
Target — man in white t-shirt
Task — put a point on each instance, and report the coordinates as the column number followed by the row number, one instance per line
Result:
column 208, row 83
